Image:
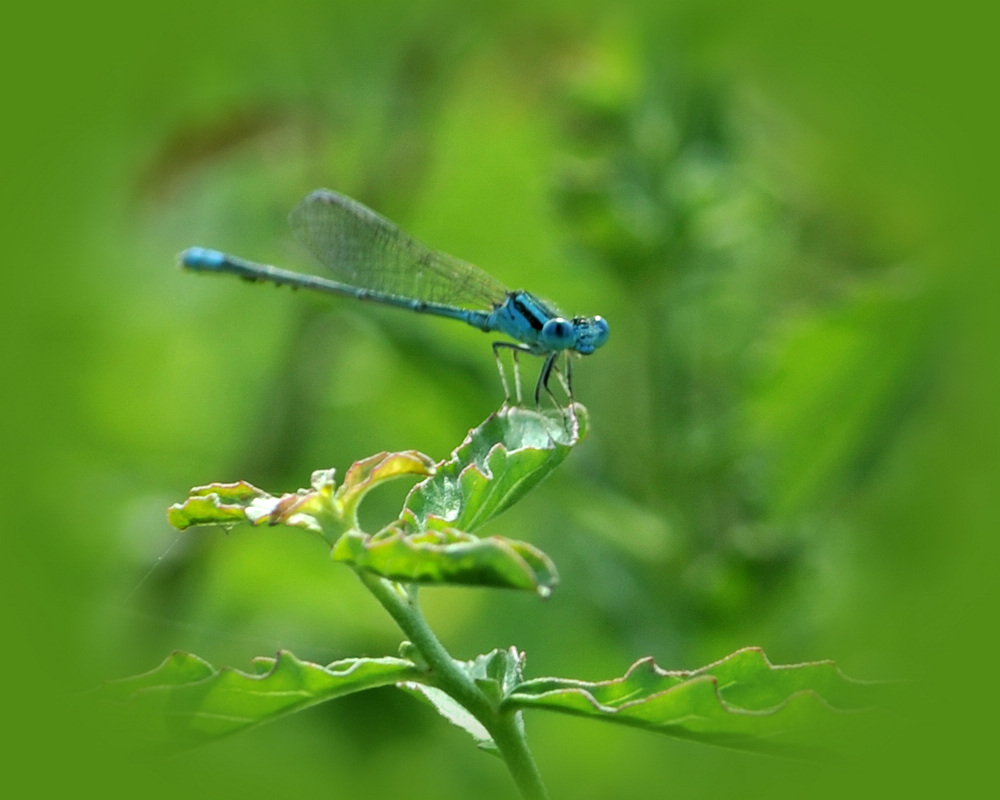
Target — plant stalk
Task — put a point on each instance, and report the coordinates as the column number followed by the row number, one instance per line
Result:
column 450, row 677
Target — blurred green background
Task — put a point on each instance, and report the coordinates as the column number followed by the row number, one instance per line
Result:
column 777, row 211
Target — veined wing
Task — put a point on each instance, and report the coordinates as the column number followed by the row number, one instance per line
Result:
column 362, row 248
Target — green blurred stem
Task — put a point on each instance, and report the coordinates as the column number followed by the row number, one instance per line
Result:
column 451, row 678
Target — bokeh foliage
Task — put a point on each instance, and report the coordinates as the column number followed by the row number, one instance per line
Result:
column 754, row 204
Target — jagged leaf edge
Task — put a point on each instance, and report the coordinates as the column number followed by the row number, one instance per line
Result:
column 533, row 694
column 171, row 700
column 469, row 468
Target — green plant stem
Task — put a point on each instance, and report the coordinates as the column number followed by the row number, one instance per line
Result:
column 513, row 747
column 451, row 678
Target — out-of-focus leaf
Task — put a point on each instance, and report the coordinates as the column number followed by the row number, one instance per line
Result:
column 186, row 701
column 448, row 556
column 742, row 701
column 856, row 369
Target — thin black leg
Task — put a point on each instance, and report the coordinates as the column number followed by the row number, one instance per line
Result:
column 543, row 379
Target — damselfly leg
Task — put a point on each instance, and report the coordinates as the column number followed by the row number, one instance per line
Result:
column 550, row 366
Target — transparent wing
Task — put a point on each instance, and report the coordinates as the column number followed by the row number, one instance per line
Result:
column 364, row 249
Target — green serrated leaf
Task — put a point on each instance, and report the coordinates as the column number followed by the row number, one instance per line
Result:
column 186, row 701
column 747, row 679
column 448, row 556
column 742, row 702
column 501, row 460
column 178, row 669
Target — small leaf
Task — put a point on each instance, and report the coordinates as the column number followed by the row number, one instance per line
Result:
column 365, row 475
column 186, row 701
column 495, row 673
column 743, row 701
column 502, row 669
column 322, row 508
column 215, row 504
column 454, row 712
column 501, row 460
column 448, row 556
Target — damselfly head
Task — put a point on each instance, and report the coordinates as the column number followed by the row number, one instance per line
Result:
column 589, row 333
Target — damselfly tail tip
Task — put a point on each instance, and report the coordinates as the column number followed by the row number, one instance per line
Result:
column 202, row 258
